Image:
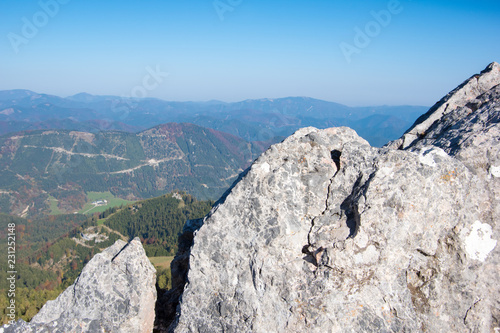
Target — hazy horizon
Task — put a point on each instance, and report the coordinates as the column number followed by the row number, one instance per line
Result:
column 353, row 53
column 219, row 101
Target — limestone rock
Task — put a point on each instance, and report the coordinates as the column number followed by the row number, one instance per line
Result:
column 461, row 96
column 327, row 234
column 115, row 292
column 469, row 133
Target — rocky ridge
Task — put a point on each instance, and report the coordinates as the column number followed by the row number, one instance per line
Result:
column 462, row 96
column 115, row 292
column 328, row 234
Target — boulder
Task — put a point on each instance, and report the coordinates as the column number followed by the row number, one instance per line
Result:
column 115, row 292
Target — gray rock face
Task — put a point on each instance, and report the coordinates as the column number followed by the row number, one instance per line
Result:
column 114, row 293
column 328, row 234
column 465, row 94
column 470, row 133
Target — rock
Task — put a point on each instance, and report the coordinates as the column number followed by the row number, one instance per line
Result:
column 461, row 133
column 115, row 292
column 327, row 234
column 463, row 95
column 168, row 302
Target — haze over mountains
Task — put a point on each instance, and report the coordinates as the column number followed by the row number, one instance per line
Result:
column 252, row 120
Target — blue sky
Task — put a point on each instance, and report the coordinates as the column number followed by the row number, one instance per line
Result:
column 248, row 48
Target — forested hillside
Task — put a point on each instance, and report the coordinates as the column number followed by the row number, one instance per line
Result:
column 158, row 221
column 40, row 243
column 43, row 168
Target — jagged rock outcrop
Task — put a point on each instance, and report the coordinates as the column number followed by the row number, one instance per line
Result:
column 464, row 95
column 327, row 234
column 115, row 292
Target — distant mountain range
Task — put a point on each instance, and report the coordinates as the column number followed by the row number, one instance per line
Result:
column 252, row 120
column 54, row 151
column 37, row 167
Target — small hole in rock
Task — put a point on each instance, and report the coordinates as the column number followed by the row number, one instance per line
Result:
column 335, row 154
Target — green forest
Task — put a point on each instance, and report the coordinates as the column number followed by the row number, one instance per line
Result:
column 158, row 221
